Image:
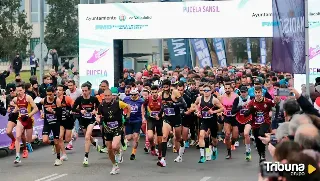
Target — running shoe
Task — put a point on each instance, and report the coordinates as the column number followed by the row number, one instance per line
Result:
column 202, row 159
column 228, row 156
column 220, row 138
column 178, row 159
column 236, row 143
column 115, row 169
column 104, row 150
column 17, row 160
column 98, row 148
column 214, row 154
column 153, row 153
column 69, row 147
column 124, row 148
column 174, row 150
column 248, row 156
column 57, row 162
column 186, row 144
column 25, row 153
column 169, row 144
column 162, row 163
column 127, row 142
column 12, row 145
column 192, row 142
column 132, row 157
column 64, row 157
column 262, row 158
column 29, row 147
column 53, row 150
column 146, row 150
column 120, row 157
column 85, row 161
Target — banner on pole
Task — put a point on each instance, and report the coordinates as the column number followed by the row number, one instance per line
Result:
column 200, row 46
column 218, row 44
column 179, row 52
column 249, row 50
column 288, row 36
column 263, row 51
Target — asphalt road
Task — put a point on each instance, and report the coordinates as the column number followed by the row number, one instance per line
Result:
column 39, row 166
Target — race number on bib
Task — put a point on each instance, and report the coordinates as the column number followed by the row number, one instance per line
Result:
column 259, row 118
column 242, row 111
column 154, row 114
column 206, row 115
column 113, row 125
column 134, row 109
column 87, row 115
column 23, row 111
column 169, row 111
column 51, row 117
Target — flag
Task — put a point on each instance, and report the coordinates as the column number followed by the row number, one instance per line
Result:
column 201, row 48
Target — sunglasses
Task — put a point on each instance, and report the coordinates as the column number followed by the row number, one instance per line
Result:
column 133, row 94
column 206, row 90
column 243, row 91
column 11, row 90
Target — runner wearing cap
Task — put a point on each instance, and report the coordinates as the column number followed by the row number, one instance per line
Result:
column 133, row 127
column 244, row 127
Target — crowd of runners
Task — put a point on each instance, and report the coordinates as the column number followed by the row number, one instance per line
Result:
column 173, row 108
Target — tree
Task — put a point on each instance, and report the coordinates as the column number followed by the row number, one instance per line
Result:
column 15, row 31
column 62, row 26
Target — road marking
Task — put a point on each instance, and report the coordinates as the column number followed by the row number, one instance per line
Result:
column 54, row 178
column 205, row 178
column 43, row 178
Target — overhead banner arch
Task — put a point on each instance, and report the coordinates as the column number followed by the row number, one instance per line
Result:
column 101, row 24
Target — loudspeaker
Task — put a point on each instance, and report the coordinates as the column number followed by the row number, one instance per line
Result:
column 118, row 61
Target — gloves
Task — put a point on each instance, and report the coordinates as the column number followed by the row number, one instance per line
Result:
column 24, row 118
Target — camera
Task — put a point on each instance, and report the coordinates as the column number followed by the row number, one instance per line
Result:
column 283, row 92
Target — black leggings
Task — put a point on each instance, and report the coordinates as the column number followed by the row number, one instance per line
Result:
column 260, row 146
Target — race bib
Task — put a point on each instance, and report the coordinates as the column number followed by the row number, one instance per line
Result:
column 259, row 118
column 169, row 111
column 154, row 114
column 134, row 109
column 181, row 111
column 51, row 117
column 87, row 115
column 113, row 125
column 242, row 111
column 206, row 115
column 11, row 109
column 23, row 111
column 228, row 113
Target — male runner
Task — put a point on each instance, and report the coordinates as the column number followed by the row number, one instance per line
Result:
column 230, row 123
column 187, row 115
column 209, row 106
column 153, row 106
column 51, row 114
column 110, row 114
column 104, row 85
column 260, row 108
column 133, row 127
column 171, row 104
column 26, row 109
column 67, row 121
column 86, row 105
column 244, row 123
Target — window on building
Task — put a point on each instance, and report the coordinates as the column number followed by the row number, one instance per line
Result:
column 33, row 43
column 35, row 9
column 22, row 5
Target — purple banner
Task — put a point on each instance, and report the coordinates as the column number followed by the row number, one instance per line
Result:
column 288, row 36
column 5, row 141
column 200, row 46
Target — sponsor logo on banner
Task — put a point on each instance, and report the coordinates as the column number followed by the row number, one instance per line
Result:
column 268, row 24
column 258, row 15
column 124, row 18
column 314, row 13
column 94, row 72
column 97, row 55
column 201, row 9
column 120, row 27
column 201, row 48
column 100, row 18
column 313, row 52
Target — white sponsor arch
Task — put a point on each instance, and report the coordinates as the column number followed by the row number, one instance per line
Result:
column 100, row 24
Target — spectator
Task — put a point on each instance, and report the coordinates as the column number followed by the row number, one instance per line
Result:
column 33, row 64
column 122, row 85
column 17, row 64
column 3, row 76
column 29, row 90
column 18, row 80
column 46, row 83
column 308, row 137
column 35, row 87
column 296, row 121
column 284, row 149
column 72, row 90
column 53, row 75
column 55, row 60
